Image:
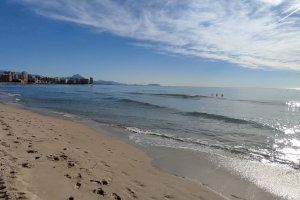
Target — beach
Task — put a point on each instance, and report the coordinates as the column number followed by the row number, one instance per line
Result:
column 150, row 99
column 43, row 157
column 243, row 153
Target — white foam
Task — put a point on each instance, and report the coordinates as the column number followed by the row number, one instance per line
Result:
column 277, row 179
column 12, row 95
column 64, row 114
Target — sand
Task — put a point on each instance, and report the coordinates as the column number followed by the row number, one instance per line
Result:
column 44, row 157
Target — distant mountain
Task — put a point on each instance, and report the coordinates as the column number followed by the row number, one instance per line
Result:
column 77, row 76
column 153, row 84
column 101, row 82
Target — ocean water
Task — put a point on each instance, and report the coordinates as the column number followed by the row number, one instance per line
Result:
column 257, row 131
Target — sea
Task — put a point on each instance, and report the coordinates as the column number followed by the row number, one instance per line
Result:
column 251, row 133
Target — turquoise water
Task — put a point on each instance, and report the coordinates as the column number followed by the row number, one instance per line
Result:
column 259, row 125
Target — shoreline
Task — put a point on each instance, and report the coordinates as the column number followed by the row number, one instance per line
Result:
column 196, row 166
column 200, row 167
column 48, row 158
column 189, row 162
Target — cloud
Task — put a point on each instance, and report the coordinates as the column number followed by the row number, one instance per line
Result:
column 250, row 33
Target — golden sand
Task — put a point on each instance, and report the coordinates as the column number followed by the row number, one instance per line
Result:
column 44, row 157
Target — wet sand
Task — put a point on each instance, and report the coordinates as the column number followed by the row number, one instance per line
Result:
column 204, row 167
column 44, row 157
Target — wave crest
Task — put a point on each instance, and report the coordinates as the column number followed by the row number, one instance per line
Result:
column 266, row 154
column 139, row 103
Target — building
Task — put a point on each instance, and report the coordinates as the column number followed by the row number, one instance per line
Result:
column 63, row 81
column 24, row 77
column 31, row 79
column 16, row 77
column 84, row 81
column 6, row 77
column 71, row 81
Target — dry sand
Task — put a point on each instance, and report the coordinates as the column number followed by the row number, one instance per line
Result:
column 47, row 158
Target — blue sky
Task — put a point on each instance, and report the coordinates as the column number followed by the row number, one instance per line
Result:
column 198, row 43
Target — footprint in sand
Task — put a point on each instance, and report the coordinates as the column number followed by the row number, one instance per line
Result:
column 139, row 183
column 31, row 151
column 68, row 176
column 99, row 191
column 103, row 182
column 26, row 165
column 78, row 185
column 132, row 193
column 53, row 157
column 167, row 196
column 3, row 193
column 71, row 164
column 116, row 197
column 21, row 195
column 95, row 181
column 105, row 164
column 5, row 144
column 79, row 176
column 63, row 156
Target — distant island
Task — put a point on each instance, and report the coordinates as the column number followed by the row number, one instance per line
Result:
column 153, row 84
column 101, row 82
column 26, row 78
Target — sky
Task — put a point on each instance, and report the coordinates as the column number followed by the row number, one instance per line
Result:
column 230, row 43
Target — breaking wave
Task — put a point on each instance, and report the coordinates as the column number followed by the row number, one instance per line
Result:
column 216, row 117
column 262, row 154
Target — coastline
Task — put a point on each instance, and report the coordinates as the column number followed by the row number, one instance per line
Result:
column 48, row 158
column 201, row 167
column 224, row 174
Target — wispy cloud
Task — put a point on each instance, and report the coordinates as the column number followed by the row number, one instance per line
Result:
column 291, row 13
column 251, row 33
